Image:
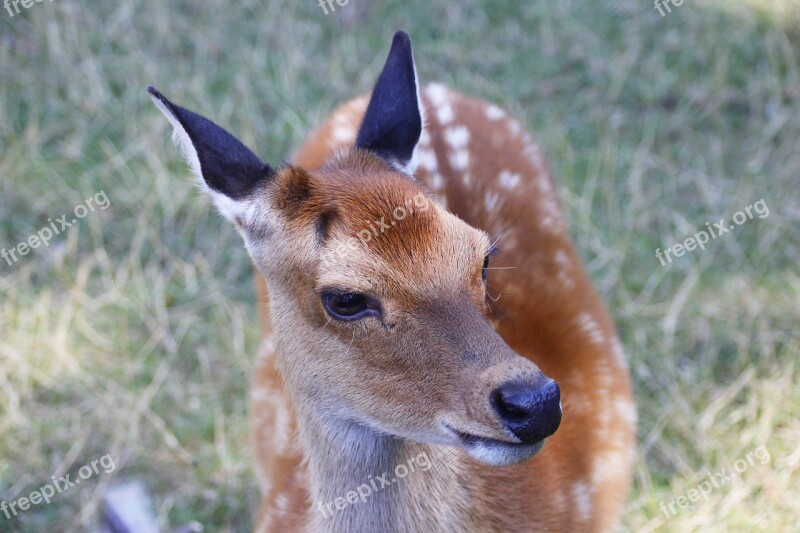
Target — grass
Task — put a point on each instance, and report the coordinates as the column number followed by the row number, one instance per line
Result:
column 133, row 332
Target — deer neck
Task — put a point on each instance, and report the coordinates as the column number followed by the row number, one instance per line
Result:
column 347, row 460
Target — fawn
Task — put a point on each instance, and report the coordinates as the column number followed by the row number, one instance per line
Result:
column 388, row 335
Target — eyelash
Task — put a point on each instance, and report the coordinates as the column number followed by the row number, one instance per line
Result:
column 485, row 273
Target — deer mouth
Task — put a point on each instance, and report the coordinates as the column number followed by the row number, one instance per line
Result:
column 493, row 451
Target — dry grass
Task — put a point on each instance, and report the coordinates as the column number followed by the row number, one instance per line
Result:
column 133, row 332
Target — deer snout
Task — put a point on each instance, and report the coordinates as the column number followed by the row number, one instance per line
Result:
column 531, row 410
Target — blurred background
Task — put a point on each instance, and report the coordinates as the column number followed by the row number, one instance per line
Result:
column 132, row 333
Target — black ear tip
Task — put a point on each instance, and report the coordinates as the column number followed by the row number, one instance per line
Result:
column 400, row 34
column 401, row 39
column 155, row 93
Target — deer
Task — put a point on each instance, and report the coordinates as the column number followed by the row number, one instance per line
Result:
column 421, row 298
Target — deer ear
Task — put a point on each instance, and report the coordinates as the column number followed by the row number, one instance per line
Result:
column 225, row 167
column 393, row 122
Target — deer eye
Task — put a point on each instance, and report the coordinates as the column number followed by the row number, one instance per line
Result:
column 485, row 272
column 349, row 305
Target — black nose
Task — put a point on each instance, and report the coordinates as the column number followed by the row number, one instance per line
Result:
column 530, row 410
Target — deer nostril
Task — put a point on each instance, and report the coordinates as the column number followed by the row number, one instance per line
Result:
column 530, row 411
column 510, row 407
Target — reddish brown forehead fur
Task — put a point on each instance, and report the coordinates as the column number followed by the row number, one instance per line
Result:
column 352, row 194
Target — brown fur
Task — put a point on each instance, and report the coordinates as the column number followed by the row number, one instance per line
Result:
column 441, row 348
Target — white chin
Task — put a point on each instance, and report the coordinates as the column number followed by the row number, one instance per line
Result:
column 502, row 454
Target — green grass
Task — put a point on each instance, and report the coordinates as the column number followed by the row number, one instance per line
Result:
column 133, row 333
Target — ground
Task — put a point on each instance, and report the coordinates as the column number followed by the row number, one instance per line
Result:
column 132, row 333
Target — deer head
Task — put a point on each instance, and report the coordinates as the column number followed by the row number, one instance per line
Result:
column 377, row 293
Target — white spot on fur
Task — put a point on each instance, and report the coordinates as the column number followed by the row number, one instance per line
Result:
column 277, row 433
column 551, row 207
column 281, row 502
column 606, row 379
column 439, row 98
column 562, row 259
column 266, row 350
column 445, row 114
column 551, row 219
column 437, row 182
column 564, row 265
column 544, row 186
column 437, row 93
column 618, row 353
column 494, row 113
column 565, row 279
column 343, row 134
column 491, row 199
column 342, row 118
column 508, row 180
column 626, row 410
column 589, row 326
column 459, row 160
column 427, row 160
column 509, row 242
column 583, row 501
column 457, row 136
column 580, row 403
column 261, row 395
column 608, row 465
column 536, row 159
